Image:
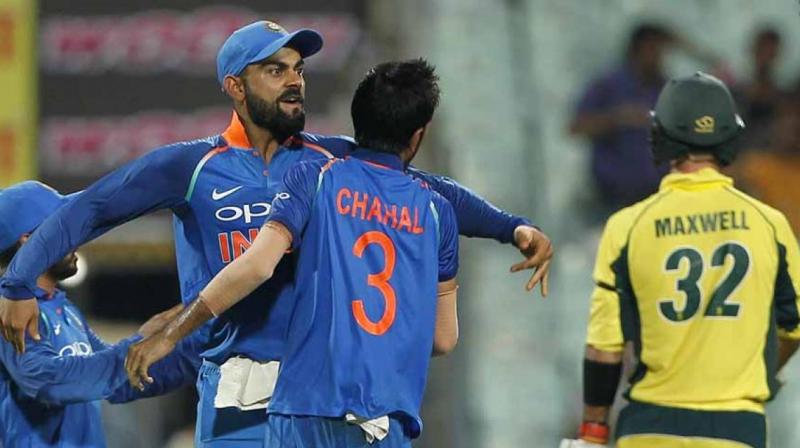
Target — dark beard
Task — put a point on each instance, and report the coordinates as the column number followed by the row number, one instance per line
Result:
column 271, row 117
column 64, row 269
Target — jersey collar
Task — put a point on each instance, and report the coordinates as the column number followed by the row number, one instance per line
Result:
column 41, row 294
column 698, row 180
column 235, row 136
column 382, row 159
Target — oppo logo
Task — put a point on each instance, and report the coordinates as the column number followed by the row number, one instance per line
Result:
column 76, row 349
column 248, row 212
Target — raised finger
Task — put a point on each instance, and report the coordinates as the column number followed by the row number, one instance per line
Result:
column 130, row 369
column 534, row 280
column 6, row 331
column 529, row 263
column 142, row 375
column 19, row 340
column 545, row 282
column 537, row 276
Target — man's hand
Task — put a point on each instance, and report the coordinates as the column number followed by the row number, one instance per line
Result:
column 17, row 317
column 148, row 351
column 537, row 249
column 143, row 354
column 636, row 116
column 159, row 321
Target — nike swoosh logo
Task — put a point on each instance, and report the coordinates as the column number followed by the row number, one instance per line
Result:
column 215, row 195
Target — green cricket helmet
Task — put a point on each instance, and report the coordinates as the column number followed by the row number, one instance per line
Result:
column 695, row 114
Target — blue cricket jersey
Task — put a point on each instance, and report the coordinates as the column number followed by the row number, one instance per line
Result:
column 373, row 246
column 48, row 394
column 219, row 191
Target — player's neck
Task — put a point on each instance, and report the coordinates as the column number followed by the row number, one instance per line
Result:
column 261, row 139
column 694, row 164
column 406, row 156
column 47, row 283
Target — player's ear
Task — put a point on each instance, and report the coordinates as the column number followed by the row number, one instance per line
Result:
column 416, row 139
column 234, row 87
column 24, row 238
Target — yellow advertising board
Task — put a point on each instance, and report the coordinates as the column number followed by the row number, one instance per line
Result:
column 18, row 78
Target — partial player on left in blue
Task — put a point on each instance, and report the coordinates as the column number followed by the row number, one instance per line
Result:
column 49, row 395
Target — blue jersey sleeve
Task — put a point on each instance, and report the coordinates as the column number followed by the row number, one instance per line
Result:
column 448, row 239
column 97, row 343
column 159, row 180
column 476, row 217
column 292, row 206
column 41, row 373
column 178, row 369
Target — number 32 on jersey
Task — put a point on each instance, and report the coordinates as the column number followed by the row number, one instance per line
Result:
column 719, row 304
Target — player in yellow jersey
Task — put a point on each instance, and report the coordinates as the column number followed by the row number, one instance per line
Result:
column 702, row 282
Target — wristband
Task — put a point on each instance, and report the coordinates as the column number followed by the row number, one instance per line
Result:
column 600, row 381
column 594, row 432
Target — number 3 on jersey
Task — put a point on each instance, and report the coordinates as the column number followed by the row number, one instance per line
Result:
column 379, row 281
column 717, row 306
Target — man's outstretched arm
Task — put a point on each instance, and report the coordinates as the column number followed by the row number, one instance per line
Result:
column 156, row 181
column 41, row 373
column 476, row 216
column 229, row 286
column 479, row 218
column 176, row 370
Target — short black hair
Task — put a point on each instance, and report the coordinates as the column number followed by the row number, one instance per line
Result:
column 392, row 101
column 8, row 254
column 767, row 33
column 647, row 31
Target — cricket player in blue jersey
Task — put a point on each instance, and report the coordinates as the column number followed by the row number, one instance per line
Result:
column 48, row 395
column 220, row 190
column 378, row 255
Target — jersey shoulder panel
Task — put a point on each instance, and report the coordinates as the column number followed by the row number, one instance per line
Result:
column 615, row 238
column 181, row 158
column 621, row 223
column 437, row 199
column 774, row 217
column 330, row 145
column 199, row 144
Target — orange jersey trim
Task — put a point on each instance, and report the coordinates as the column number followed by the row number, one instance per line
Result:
column 235, row 135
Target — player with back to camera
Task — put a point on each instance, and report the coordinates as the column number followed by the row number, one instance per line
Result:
column 702, row 281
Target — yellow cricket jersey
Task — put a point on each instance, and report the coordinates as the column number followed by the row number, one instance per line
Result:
column 702, row 279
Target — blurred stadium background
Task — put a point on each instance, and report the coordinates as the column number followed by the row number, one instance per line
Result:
column 88, row 85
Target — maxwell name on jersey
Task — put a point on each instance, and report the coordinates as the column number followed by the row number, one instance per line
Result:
column 701, row 223
column 360, row 205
